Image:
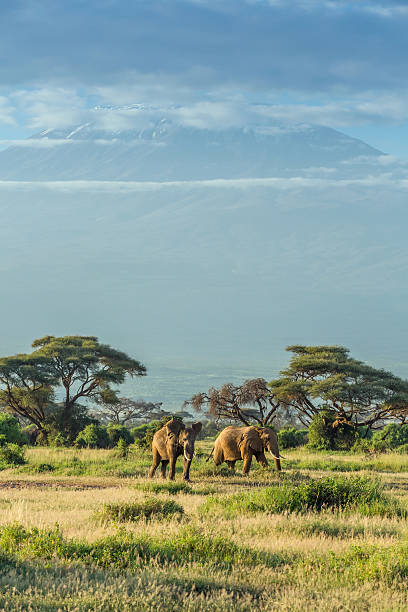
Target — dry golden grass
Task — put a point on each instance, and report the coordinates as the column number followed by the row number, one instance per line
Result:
column 41, row 500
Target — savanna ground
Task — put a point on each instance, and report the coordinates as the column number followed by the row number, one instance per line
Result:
column 85, row 530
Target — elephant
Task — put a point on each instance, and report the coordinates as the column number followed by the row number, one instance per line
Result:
column 235, row 443
column 171, row 441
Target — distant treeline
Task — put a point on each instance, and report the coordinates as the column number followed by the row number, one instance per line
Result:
column 322, row 390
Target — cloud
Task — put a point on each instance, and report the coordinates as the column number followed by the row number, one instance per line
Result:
column 258, row 46
column 6, row 112
column 209, row 63
column 385, row 180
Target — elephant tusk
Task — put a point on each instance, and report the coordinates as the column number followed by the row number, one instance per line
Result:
column 281, row 456
column 274, row 456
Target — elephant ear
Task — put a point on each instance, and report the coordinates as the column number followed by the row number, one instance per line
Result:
column 252, row 439
column 196, row 427
column 174, row 427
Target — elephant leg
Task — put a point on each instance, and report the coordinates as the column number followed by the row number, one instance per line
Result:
column 247, row 463
column 155, row 464
column 218, row 456
column 172, row 468
column 186, row 469
column 262, row 460
column 165, row 463
column 231, row 465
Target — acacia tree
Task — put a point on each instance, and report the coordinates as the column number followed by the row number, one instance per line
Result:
column 27, row 387
column 252, row 402
column 85, row 369
column 128, row 411
column 327, row 377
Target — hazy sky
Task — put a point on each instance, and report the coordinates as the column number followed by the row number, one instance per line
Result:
column 221, row 62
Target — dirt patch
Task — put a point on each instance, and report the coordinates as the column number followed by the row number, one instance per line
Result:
column 54, row 484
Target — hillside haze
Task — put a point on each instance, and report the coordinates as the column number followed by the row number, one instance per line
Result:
column 201, row 247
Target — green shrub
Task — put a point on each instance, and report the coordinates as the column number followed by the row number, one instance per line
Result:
column 10, row 429
column 357, row 493
column 58, row 440
column 392, row 436
column 403, row 449
column 127, row 551
column 93, row 436
column 12, row 454
column 362, row 446
column 118, row 432
column 290, row 437
column 45, row 467
column 143, row 434
column 324, row 436
column 122, row 449
column 148, row 509
column 165, row 487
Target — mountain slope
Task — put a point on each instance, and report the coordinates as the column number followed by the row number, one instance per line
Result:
column 168, row 151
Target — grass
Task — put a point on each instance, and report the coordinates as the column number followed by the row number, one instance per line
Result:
column 355, row 494
column 329, row 534
column 135, row 511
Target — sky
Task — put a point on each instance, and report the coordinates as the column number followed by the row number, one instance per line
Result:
column 215, row 62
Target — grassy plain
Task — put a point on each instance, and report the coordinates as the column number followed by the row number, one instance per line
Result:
column 85, row 530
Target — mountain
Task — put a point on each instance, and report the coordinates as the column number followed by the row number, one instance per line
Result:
column 187, row 246
column 167, row 151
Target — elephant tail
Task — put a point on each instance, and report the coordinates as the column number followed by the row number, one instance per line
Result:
column 210, row 455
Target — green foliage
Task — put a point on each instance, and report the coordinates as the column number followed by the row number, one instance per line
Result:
column 325, row 434
column 93, row 436
column 165, row 487
column 358, row 394
column 290, row 437
column 127, row 551
column 357, row 493
column 10, row 429
column 393, row 435
column 27, row 386
column 119, row 432
column 45, row 467
column 122, row 449
column 148, row 509
column 12, row 454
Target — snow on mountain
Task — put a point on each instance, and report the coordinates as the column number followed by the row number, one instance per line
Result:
column 166, row 150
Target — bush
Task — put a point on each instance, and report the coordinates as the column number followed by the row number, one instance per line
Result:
column 150, row 508
column 45, row 467
column 93, row 436
column 392, row 436
column 290, row 437
column 122, row 449
column 403, row 449
column 324, row 436
column 12, row 454
column 118, row 432
column 360, row 494
column 165, row 487
column 10, row 429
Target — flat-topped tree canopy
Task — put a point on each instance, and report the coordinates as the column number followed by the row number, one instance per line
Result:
column 86, row 368
column 81, row 365
column 327, row 376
